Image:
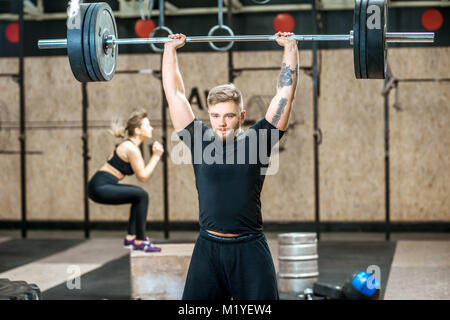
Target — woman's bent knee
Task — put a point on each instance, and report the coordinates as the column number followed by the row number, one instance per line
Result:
column 143, row 196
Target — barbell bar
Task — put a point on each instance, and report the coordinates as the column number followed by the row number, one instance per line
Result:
column 391, row 37
column 92, row 41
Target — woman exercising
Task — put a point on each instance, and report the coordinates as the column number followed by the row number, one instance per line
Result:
column 127, row 160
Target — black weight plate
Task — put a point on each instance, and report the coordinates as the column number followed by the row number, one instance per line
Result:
column 375, row 39
column 102, row 24
column 363, row 38
column 87, row 56
column 356, row 39
column 328, row 290
column 92, row 41
column 75, row 45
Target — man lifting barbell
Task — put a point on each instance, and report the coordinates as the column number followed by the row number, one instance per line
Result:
column 92, row 40
column 231, row 258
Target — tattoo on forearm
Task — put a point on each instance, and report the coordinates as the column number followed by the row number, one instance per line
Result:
column 285, row 78
column 281, row 106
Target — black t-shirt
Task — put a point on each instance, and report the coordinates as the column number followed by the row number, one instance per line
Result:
column 229, row 176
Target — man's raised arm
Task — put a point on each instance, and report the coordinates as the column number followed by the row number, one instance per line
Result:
column 179, row 108
column 280, row 107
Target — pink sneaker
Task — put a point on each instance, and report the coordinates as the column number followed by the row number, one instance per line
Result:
column 146, row 246
column 128, row 244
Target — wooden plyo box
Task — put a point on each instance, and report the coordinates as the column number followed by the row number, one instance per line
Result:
column 161, row 275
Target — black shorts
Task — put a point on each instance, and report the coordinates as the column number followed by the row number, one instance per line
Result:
column 223, row 268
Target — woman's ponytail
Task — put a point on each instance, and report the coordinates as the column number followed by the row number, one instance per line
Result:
column 117, row 128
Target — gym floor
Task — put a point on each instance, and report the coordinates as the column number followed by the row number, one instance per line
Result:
column 412, row 265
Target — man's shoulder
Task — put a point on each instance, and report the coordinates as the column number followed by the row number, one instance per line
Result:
column 194, row 125
column 262, row 124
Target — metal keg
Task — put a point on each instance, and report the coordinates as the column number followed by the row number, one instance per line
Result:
column 298, row 267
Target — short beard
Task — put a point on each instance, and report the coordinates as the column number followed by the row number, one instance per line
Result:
column 230, row 135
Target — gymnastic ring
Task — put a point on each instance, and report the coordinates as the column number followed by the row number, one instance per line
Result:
column 154, row 47
column 224, row 27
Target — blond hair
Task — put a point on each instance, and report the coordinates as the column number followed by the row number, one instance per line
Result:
column 224, row 93
column 118, row 129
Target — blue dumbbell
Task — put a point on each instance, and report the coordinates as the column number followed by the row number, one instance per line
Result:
column 362, row 286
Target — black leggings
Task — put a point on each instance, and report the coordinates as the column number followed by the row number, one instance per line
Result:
column 104, row 188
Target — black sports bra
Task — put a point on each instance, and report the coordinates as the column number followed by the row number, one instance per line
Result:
column 119, row 164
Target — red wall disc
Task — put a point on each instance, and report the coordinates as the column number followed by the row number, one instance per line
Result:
column 432, row 19
column 284, row 22
column 12, row 32
column 143, row 28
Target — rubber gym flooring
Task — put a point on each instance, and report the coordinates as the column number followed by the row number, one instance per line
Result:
column 413, row 266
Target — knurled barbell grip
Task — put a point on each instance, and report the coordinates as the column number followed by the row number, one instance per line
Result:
column 391, row 37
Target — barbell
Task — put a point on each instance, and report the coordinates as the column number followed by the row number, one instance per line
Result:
column 92, row 41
